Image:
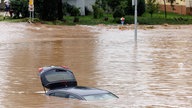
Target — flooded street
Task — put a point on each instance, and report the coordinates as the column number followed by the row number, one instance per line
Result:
column 155, row 72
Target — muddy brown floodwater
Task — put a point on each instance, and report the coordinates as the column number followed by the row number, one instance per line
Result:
column 155, row 72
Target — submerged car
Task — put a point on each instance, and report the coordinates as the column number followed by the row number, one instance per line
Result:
column 61, row 82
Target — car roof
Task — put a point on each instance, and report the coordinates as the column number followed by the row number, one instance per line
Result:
column 80, row 90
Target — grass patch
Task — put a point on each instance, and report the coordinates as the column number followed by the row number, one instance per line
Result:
column 146, row 19
column 159, row 18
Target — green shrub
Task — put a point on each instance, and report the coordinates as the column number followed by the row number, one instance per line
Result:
column 118, row 13
column 97, row 11
column 75, row 11
column 70, row 9
column 19, row 7
column 129, row 19
column 129, row 9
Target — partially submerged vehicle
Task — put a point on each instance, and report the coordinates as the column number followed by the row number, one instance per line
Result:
column 60, row 81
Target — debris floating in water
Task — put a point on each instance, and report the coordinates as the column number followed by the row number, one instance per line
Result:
column 180, row 65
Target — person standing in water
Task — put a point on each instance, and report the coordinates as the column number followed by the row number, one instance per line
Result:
column 7, row 8
column 122, row 20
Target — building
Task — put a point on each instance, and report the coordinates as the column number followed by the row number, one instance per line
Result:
column 180, row 6
column 81, row 4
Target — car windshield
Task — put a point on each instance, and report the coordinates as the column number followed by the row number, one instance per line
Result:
column 103, row 96
column 59, row 75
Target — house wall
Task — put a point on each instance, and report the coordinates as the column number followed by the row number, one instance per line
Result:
column 189, row 7
column 77, row 3
column 81, row 4
column 177, row 9
column 89, row 3
column 180, row 6
column 71, row 2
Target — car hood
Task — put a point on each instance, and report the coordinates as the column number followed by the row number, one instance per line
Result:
column 56, row 77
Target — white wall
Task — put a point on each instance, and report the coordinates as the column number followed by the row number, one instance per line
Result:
column 71, row 2
column 81, row 4
column 78, row 3
column 89, row 3
column 188, row 3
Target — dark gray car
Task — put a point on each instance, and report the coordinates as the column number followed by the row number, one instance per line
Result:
column 61, row 82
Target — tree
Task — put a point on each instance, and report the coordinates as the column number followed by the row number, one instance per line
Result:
column 165, row 9
column 98, row 11
column 49, row 9
column 152, row 6
column 129, row 9
column 118, row 13
column 113, row 4
column 60, row 10
column 104, row 5
column 141, row 7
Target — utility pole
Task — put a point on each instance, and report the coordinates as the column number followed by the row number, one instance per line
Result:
column 134, row 2
column 135, row 20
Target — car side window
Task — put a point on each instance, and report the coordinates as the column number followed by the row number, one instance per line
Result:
column 65, row 95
